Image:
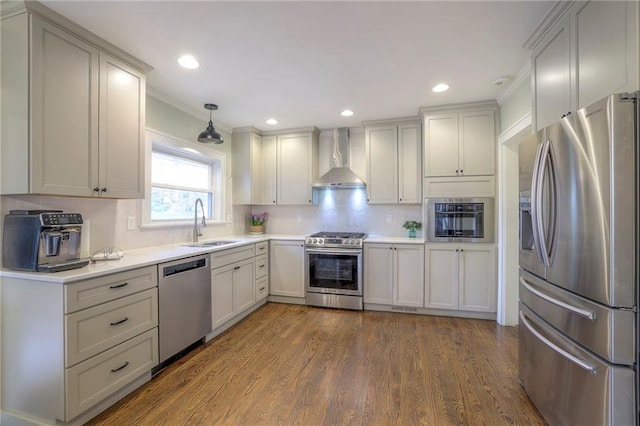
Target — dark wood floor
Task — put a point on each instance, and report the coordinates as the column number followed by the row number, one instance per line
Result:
column 297, row 365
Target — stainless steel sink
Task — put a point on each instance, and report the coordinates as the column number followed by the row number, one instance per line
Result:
column 211, row 244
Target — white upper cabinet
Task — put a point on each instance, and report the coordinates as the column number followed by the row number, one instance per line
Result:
column 247, row 167
column 121, row 118
column 274, row 168
column 393, row 156
column 607, row 49
column 296, row 167
column 73, row 122
column 589, row 52
column 551, row 62
column 269, row 172
column 460, row 142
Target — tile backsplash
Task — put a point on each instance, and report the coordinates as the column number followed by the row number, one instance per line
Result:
column 336, row 210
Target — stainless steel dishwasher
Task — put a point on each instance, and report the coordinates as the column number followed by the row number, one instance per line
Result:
column 184, row 303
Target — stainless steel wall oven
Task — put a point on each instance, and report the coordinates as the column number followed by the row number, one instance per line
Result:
column 460, row 220
column 333, row 270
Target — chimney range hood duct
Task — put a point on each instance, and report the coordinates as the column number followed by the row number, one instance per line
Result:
column 340, row 176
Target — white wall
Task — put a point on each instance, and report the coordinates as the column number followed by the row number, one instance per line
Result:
column 515, row 113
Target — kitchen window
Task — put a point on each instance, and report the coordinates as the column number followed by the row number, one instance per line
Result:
column 178, row 173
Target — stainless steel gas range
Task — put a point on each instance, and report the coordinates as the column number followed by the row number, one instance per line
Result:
column 333, row 269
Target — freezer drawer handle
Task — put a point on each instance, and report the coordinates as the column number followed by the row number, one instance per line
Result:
column 583, row 313
column 583, row 364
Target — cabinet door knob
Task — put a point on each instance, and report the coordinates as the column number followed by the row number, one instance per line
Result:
column 274, row 201
column 96, row 189
column 103, row 190
column 461, row 172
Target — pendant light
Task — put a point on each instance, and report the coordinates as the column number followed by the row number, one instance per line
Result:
column 210, row 134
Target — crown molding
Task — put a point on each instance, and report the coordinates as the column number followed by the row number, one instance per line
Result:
column 552, row 16
column 523, row 74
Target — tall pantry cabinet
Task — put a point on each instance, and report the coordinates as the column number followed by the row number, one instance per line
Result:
column 73, row 110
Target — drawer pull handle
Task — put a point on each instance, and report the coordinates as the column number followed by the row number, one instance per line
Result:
column 582, row 312
column 261, row 266
column 121, row 321
column 119, row 285
column 261, row 288
column 120, row 368
column 581, row 363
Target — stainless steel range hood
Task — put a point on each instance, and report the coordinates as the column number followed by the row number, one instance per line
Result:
column 340, row 176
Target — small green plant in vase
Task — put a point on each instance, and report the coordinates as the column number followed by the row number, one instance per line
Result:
column 256, row 223
column 412, row 226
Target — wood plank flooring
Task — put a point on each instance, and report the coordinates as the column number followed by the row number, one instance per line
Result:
column 298, row 365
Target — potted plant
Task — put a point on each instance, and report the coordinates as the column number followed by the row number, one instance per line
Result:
column 256, row 223
column 412, row 226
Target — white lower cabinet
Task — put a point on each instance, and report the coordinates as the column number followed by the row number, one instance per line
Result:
column 286, row 272
column 232, row 285
column 68, row 348
column 262, row 271
column 393, row 274
column 460, row 277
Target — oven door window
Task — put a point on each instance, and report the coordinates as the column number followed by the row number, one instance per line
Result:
column 459, row 225
column 470, row 225
column 333, row 271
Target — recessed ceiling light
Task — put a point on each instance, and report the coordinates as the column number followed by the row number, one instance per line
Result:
column 442, row 87
column 272, row 121
column 188, row 61
column 346, row 113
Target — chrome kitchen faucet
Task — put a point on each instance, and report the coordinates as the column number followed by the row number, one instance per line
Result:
column 196, row 228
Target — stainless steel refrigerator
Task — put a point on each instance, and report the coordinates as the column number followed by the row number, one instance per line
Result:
column 578, row 326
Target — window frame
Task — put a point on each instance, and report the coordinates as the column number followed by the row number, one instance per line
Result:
column 168, row 144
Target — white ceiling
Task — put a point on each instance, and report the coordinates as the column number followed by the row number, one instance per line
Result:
column 304, row 62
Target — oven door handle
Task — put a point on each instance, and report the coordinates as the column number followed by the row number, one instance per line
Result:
column 352, row 252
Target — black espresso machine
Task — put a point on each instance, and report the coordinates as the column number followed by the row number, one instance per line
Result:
column 42, row 241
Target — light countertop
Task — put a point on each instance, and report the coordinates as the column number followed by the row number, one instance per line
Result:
column 140, row 258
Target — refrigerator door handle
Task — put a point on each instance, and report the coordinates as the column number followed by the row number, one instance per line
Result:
column 535, row 207
column 581, row 363
column 539, row 194
column 582, row 312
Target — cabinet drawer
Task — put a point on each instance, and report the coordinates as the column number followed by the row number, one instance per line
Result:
column 95, row 379
column 262, row 288
column 97, row 329
column 233, row 255
column 84, row 294
column 262, row 248
column 262, row 266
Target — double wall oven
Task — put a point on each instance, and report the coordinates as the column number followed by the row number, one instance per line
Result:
column 333, row 269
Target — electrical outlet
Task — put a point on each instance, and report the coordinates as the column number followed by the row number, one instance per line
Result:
column 229, row 218
column 131, row 223
column 299, row 218
column 389, row 218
